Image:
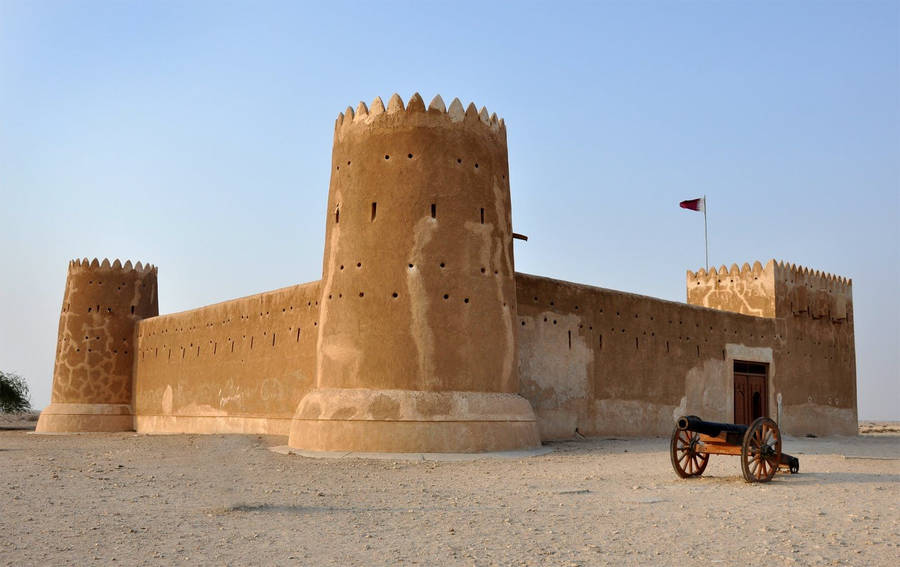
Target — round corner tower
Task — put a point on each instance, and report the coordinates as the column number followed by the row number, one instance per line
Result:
column 92, row 378
column 417, row 345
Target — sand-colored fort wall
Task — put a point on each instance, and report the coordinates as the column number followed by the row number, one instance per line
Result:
column 613, row 363
column 92, row 378
column 602, row 361
column 240, row 366
column 818, row 363
column 417, row 345
column 421, row 337
column 418, row 266
column 815, row 354
column 748, row 290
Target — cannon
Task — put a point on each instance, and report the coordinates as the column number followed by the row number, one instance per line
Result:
column 758, row 444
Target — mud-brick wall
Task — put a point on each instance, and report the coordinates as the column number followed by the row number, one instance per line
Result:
column 94, row 351
column 613, row 363
column 813, row 313
column 818, row 365
column 241, row 366
column 748, row 290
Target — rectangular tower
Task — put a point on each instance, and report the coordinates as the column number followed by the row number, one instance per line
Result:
column 814, row 361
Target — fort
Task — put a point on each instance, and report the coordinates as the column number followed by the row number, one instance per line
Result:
column 422, row 337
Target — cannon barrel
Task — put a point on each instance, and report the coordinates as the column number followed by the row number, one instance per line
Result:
column 711, row 428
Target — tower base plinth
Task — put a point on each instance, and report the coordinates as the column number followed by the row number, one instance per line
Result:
column 412, row 421
column 85, row 418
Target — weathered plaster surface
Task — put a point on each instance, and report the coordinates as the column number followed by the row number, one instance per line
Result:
column 817, row 361
column 708, row 392
column 418, row 253
column 92, row 378
column 554, row 370
column 237, row 366
column 748, row 290
column 813, row 346
column 819, row 419
column 634, row 363
column 418, row 289
column 420, row 337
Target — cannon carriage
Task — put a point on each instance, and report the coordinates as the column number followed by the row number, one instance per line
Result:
column 758, row 445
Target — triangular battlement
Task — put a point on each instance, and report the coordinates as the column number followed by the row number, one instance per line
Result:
column 772, row 290
column 745, row 271
column 797, row 274
column 376, row 113
column 84, row 264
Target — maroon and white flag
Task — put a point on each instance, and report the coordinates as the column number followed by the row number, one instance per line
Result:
column 694, row 204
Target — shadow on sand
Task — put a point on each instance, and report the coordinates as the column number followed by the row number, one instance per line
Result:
column 825, row 478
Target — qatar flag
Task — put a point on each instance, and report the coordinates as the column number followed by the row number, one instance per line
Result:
column 694, row 204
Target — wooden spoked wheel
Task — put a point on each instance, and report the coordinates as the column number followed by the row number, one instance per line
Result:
column 761, row 451
column 686, row 460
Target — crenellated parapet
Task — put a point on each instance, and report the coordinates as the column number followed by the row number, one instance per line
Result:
column 95, row 265
column 814, row 294
column 748, row 289
column 92, row 376
column 744, row 272
column 794, row 272
column 778, row 289
column 416, row 114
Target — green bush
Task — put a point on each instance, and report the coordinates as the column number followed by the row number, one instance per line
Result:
column 13, row 393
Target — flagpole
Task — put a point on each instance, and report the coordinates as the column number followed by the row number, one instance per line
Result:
column 705, row 233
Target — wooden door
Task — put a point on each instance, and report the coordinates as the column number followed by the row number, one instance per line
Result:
column 750, row 397
column 740, row 398
column 757, row 397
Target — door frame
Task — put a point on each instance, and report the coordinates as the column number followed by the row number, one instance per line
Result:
column 756, row 355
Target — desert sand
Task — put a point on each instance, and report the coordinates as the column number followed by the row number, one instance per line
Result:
column 128, row 499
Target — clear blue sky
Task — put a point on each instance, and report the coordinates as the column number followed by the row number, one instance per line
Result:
column 197, row 136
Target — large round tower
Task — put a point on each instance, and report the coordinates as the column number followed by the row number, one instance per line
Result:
column 92, row 378
column 417, row 345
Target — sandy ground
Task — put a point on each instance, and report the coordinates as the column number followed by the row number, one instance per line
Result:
column 231, row 500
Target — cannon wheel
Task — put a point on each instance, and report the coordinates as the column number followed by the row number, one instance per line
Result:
column 761, row 450
column 686, row 461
